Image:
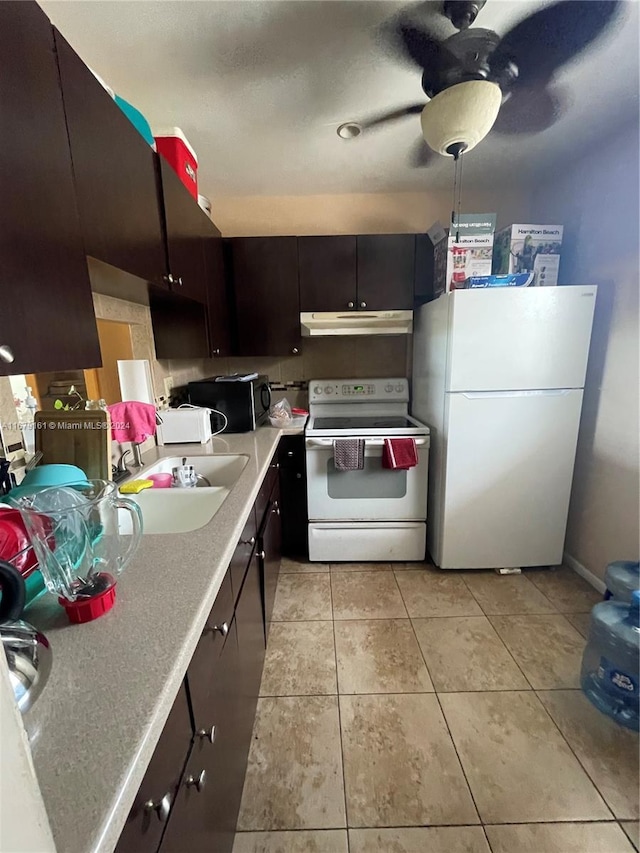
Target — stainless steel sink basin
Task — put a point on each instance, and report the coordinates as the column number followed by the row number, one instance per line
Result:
column 182, row 510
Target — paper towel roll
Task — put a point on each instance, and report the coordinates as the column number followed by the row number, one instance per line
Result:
column 135, row 380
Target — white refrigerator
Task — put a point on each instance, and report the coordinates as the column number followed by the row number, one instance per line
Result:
column 498, row 376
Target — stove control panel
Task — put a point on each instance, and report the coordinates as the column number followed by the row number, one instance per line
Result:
column 350, row 390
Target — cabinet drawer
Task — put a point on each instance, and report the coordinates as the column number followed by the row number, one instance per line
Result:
column 262, row 501
column 201, row 672
column 242, row 554
column 155, row 798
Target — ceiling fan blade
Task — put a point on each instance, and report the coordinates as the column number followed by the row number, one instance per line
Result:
column 530, row 110
column 551, row 37
column 421, row 155
column 394, row 115
column 428, row 53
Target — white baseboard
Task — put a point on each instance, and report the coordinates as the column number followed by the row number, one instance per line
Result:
column 577, row 567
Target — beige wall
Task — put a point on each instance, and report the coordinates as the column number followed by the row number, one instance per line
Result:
column 597, row 200
column 367, row 213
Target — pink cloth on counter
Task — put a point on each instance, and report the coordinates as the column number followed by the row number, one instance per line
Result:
column 132, row 421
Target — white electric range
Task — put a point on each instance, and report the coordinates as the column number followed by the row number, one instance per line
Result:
column 374, row 513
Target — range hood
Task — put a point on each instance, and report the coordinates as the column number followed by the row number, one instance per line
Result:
column 325, row 323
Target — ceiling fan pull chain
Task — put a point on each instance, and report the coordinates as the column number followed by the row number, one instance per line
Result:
column 459, row 157
column 453, row 204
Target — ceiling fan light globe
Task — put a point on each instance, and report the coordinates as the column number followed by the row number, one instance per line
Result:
column 464, row 113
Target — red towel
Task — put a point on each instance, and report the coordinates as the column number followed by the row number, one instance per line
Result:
column 399, row 453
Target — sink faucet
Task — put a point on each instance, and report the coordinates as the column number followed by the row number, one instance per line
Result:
column 121, row 467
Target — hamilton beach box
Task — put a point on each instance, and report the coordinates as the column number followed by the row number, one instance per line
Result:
column 529, row 248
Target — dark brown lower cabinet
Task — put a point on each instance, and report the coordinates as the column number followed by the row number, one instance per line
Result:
column 293, row 496
column 156, row 797
column 203, row 819
column 270, row 547
column 190, row 797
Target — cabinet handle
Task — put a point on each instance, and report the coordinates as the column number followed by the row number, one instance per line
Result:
column 216, row 352
column 349, row 304
column 276, row 510
column 298, row 476
column 274, row 465
column 261, row 555
column 251, row 541
column 161, row 808
column 295, row 350
column 6, row 354
column 289, row 452
column 197, row 782
column 179, row 280
column 363, row 304
column 208, row 735
column 168, row 278
column 221, row 629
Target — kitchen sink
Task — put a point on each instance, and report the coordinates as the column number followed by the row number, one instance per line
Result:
column 182, row 510
column 220, row 470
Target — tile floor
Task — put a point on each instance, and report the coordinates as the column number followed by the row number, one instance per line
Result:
column 407, row 710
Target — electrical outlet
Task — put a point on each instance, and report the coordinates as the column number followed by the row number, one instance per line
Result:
column 168, row 386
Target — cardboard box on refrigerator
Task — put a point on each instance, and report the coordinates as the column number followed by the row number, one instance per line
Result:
column 529, row 248
column 471, row 253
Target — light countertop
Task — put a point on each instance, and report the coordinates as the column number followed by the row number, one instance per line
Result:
column 94, row 728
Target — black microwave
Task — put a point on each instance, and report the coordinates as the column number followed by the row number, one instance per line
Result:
column 245, row 404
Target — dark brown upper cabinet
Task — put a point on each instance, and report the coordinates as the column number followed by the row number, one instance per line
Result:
column 386, row 271
column 48, row 322
column 373, row 272
column 218, row 307
column 115, row 175
column 185, row 226
column 265, row 281
column 179, row 325
column 327, row 271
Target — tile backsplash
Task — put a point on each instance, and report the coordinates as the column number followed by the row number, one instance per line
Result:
column 320, row 358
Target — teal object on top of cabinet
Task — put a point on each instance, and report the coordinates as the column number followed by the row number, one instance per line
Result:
column 137, row 119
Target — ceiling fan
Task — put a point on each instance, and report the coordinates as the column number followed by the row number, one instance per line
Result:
column 476, row 81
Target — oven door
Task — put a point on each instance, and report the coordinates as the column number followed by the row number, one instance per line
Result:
column 371, row 494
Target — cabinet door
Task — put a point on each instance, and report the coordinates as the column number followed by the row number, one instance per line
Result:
column 242, row 554
column 265, row 282
column 251, row 642
column 293, row 496
column 46, row 306
column 184, row 230
column 115, row 175
column 179, row 325
column 156, row 796
column 270, row 554
column 218, row 307
column 201, row 673
column 386, row 264
column 264, row 495
column 206, row 809
column 327, row 273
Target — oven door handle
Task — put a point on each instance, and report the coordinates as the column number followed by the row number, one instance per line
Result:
column 327, row 443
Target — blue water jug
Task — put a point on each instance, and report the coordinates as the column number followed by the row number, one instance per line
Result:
column 611, row 660
column 621, row 578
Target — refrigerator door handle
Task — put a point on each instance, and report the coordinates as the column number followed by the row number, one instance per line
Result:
column 484, row 395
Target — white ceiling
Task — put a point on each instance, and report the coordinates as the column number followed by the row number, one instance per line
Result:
column 259, row 87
